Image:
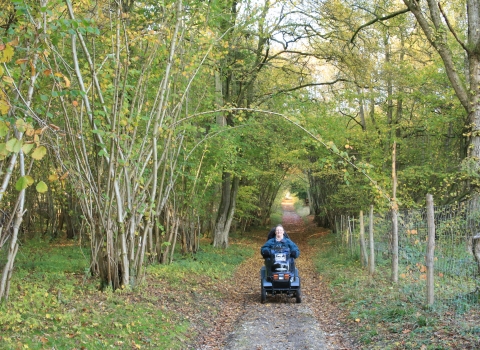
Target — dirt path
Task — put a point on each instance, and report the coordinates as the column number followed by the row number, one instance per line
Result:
column 281, row 323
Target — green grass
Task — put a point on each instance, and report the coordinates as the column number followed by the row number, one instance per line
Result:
column 53, row 303
column 209, row 263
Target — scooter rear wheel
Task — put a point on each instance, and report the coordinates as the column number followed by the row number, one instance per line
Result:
column 263, row 297
column 298, row 295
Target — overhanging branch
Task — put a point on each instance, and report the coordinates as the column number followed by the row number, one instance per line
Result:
column 378, row 19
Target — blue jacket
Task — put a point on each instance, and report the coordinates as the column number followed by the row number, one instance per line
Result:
column 294, row 251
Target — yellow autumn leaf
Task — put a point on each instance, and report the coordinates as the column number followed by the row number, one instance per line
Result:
column 64, row 176
column 6, row 54
column 67, row 81
column 14, row 145
column 4, row 103
column 21, row 125
column 42, row 187
column 33, row 70
column 40, row 131
column 27, row 147
column 14, row 42
column 39, row 153
column 7, row 79
column 3, row 151
column 30, row 131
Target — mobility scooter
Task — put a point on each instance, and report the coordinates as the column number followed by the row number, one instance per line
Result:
column 279, row 275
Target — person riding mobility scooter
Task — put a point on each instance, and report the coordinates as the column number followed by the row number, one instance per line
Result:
column 279, row 275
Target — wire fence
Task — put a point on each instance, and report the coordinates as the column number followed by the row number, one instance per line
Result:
column 456, row 271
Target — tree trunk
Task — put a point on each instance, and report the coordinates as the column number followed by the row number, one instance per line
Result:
column 12, row 251
column 226, row 210
column 361, row 114
column 20, row 204
column 474, row 115
column 394, row 217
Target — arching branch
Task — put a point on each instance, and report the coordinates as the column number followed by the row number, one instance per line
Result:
column 378, row 19
column 302, row 86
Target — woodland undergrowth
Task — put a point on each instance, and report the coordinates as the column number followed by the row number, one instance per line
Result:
column 55, row 303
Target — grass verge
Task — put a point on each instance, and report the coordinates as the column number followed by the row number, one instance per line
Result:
column 383, row 315
column 54, row 304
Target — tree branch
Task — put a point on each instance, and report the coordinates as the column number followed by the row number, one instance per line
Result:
column 377, row 19
column 452, row 30
column 298, row 87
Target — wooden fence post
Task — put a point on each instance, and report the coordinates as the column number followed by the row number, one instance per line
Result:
column 371, row 261
column 430, row 250
column 394, row 219
column 476, row 255
column 351, row 228
column 363, row 248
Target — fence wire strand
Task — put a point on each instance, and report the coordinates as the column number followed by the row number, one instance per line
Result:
column 456, row 271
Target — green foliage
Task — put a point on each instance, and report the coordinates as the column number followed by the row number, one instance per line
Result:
column 246, row 202
column 23, row 182
column 299, row 187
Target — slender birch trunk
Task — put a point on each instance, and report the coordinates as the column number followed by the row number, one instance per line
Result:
column 394, row 218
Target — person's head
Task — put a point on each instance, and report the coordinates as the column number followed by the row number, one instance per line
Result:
column 279, row 231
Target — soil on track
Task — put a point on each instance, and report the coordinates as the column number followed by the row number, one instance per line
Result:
column 280, row 323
